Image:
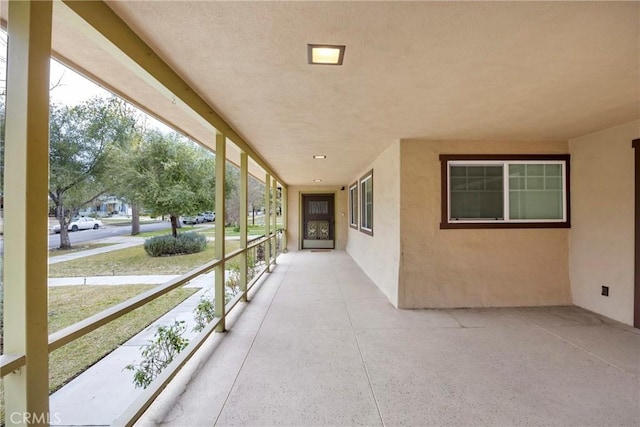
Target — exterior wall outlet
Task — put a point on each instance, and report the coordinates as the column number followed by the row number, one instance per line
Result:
column 605, row 291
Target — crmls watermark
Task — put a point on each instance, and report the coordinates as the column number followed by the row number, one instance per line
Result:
column 34, row 418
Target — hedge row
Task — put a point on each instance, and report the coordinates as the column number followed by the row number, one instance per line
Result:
column 185, row 243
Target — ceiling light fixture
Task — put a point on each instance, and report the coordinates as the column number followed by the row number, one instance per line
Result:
column 325, row 54
column 319, row 156
column 317, row 180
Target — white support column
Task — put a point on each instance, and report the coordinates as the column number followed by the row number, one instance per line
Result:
column 221, row 160
column 25, row 242
column 267, row 220
column 244, row 213
column 285, row 206
column 274, row 195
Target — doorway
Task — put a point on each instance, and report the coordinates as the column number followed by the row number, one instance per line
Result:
column 318, row 221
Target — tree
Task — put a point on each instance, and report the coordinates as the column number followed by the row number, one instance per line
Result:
column 170, row 175
column 80, row 138
column 232, row 195
column 122, row 176
column 255, row 196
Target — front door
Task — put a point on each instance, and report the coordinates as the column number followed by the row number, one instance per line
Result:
column 317, row 221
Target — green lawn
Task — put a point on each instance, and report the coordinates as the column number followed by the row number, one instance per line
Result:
column 252, row 230
column 70, row 304
column 210, row 230
column 127, row 221
column 132, row 261
column 184, row 229
column 78, row 248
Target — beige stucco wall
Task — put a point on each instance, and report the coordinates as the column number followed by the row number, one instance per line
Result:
column 473, row 268
column 602, row 233
column 379, row 255
column 293, row 219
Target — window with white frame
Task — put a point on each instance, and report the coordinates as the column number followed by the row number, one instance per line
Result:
column 505, row 191
column 366, row 203
column 353, row 205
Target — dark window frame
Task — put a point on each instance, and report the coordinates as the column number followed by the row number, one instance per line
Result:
column 353, row 209
column 444, row 190
column 363, row 205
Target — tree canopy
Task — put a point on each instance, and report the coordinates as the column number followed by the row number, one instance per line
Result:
column 170, row 175
column 80, row 139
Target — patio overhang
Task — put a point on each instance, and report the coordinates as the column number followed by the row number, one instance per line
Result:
column 418, row 79
column 482, row 71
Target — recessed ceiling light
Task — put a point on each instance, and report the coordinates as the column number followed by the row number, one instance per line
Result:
column 319, row 156
column 325, row 54
column 317, row 180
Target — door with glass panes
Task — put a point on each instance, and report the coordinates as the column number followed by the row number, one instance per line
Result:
column 318, row 221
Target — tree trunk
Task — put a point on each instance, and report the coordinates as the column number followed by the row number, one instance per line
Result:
column 174, row 225
column 65, row 242
column 135, row 219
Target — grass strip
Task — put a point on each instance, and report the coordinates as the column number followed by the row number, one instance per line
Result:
column 134, row 261
column 70, row 304
column 167, row 231
column 72, row 359
column 78, row 248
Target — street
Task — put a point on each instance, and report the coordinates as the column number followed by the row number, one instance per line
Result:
column 106, row 231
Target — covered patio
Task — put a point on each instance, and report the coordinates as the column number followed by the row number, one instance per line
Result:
column 378, row 329
column 319, row 344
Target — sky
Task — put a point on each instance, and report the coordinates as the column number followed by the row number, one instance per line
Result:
column 73, row 88
column 70, row 88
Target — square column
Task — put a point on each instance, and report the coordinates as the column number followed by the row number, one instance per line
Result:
column 220, row 294
column 26, row 242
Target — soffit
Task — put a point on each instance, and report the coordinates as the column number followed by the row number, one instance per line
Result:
column 71, row 46
column 434, row 70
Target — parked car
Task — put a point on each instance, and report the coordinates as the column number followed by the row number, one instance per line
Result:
column 209, row 216
column 81, row 223
column 193, row 219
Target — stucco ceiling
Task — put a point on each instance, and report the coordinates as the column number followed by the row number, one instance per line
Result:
column 438, row 70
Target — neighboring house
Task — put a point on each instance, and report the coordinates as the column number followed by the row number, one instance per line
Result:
column 107, row 205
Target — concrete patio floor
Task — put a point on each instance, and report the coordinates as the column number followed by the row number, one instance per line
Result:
column 319, row 345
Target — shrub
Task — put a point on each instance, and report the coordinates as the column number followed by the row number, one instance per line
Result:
column 185, row 243
column 204, row 312
column 166, row 344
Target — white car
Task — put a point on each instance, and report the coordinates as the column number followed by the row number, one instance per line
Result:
column 81, row 223
column 193, row 219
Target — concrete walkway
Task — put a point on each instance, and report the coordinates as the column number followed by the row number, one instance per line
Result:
column 115, row 243
column 320, row 345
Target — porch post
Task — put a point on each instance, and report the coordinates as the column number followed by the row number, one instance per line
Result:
column 26, row 242
column 285, row 208
column 636, row 298
column 274, row 194
column 267, row 220
column 244, row 213
column 221, row 159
